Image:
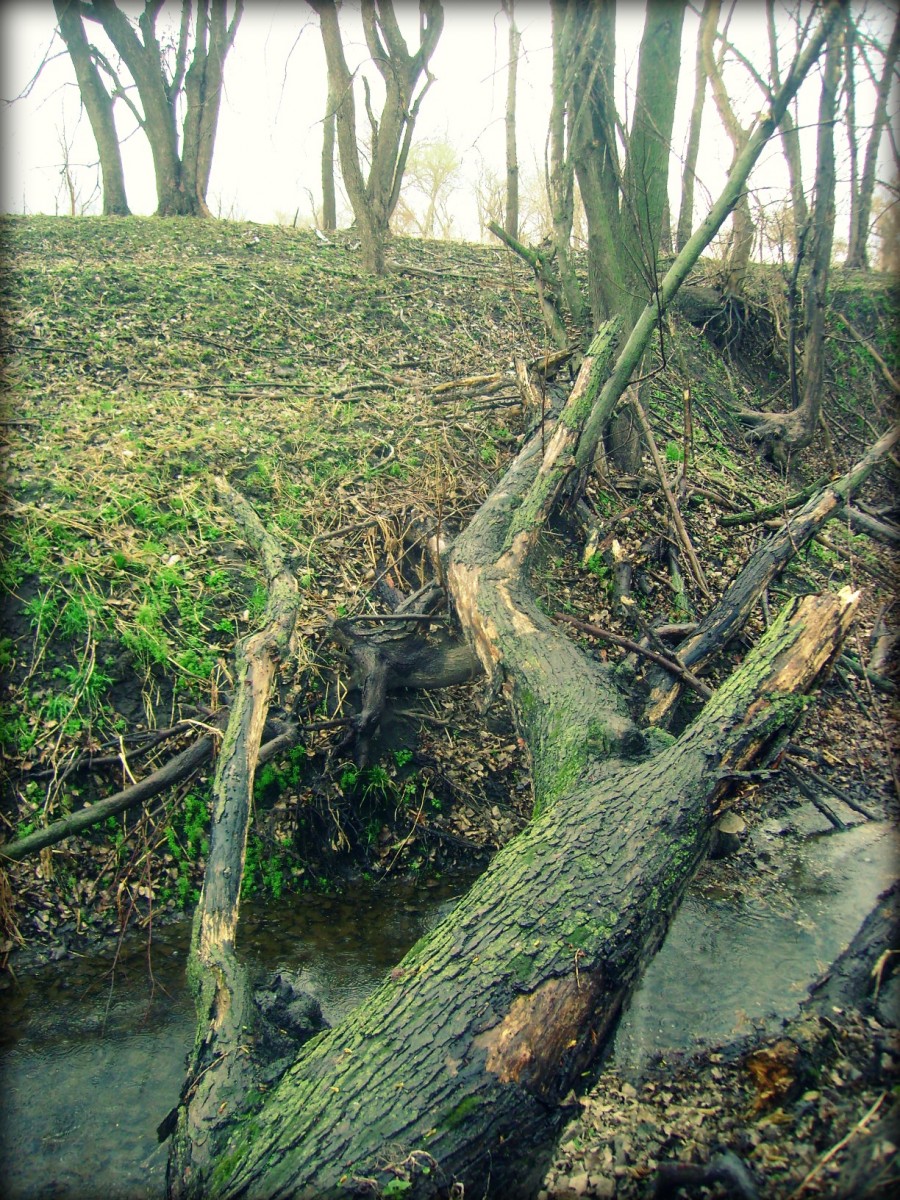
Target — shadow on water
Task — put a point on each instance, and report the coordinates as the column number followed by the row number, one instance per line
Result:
column 88, row 1070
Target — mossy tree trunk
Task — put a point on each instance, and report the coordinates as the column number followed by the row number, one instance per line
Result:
column 460, row 1061
column 219, row 1072
column 454, row 1071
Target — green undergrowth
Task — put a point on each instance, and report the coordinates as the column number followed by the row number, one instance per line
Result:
column 144, row 357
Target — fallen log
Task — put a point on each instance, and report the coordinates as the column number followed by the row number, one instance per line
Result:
column 219, row 1072
column 461, row 1061
column 726, row 619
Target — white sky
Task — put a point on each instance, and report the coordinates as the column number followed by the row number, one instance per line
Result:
column 267, row 159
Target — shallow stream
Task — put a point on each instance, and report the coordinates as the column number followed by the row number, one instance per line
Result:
column 92, row 1060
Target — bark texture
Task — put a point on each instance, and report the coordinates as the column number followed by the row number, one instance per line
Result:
column 460, row 1060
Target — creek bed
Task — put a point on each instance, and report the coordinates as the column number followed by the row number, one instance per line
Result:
column 92, row 1060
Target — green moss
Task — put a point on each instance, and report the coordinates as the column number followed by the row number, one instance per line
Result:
column 521, row 967
column 461, row 1112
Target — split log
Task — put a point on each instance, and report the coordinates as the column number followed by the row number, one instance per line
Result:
column 219, row 1070
column 461, row 1060
column 764, row 565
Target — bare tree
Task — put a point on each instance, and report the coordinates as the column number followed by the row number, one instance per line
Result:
column 511, row 224
column 433, row 173
column 192, row 82
column 785, row 432
column 98, row 104
column 861, row 199
column 374, row 197
column 77, row 204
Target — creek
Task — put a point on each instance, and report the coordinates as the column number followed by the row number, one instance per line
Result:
column 92, row 1057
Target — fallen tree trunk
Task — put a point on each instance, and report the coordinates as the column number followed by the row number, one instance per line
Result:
column 459, row 1063
column 219, row 1072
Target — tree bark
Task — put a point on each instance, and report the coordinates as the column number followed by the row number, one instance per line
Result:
column 460, row 1061
column 857, row 250
column 99, row 106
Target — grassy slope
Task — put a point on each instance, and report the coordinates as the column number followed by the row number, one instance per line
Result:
column 143, row 356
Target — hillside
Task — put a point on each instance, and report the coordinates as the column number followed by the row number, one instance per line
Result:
column 143, row 357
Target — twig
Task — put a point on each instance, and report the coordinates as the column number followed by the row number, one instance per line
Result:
column 683, row 537
column 839, row 792
column 669, row 664
column 839, row 1146
column 812, row 795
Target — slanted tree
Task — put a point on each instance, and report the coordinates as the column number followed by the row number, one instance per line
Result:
column 373, row 196
column 192, row 81
column 98, row 104
column 452, row 1074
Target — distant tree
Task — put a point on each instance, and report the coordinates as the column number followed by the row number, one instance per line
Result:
column 77, row 203
column 784, row 432
column 374, row 197
column 511, row 224
column 886, row 208
column 489, row 198
column 862, row 195
column 433, row 174
column 188, row 81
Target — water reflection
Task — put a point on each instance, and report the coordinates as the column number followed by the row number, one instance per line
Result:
column 90, row 1061
column 726, row 965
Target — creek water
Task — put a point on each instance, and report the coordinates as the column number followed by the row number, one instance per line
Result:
column 91, row 1059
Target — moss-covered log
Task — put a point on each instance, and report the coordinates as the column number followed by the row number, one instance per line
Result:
column 456, row 1069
